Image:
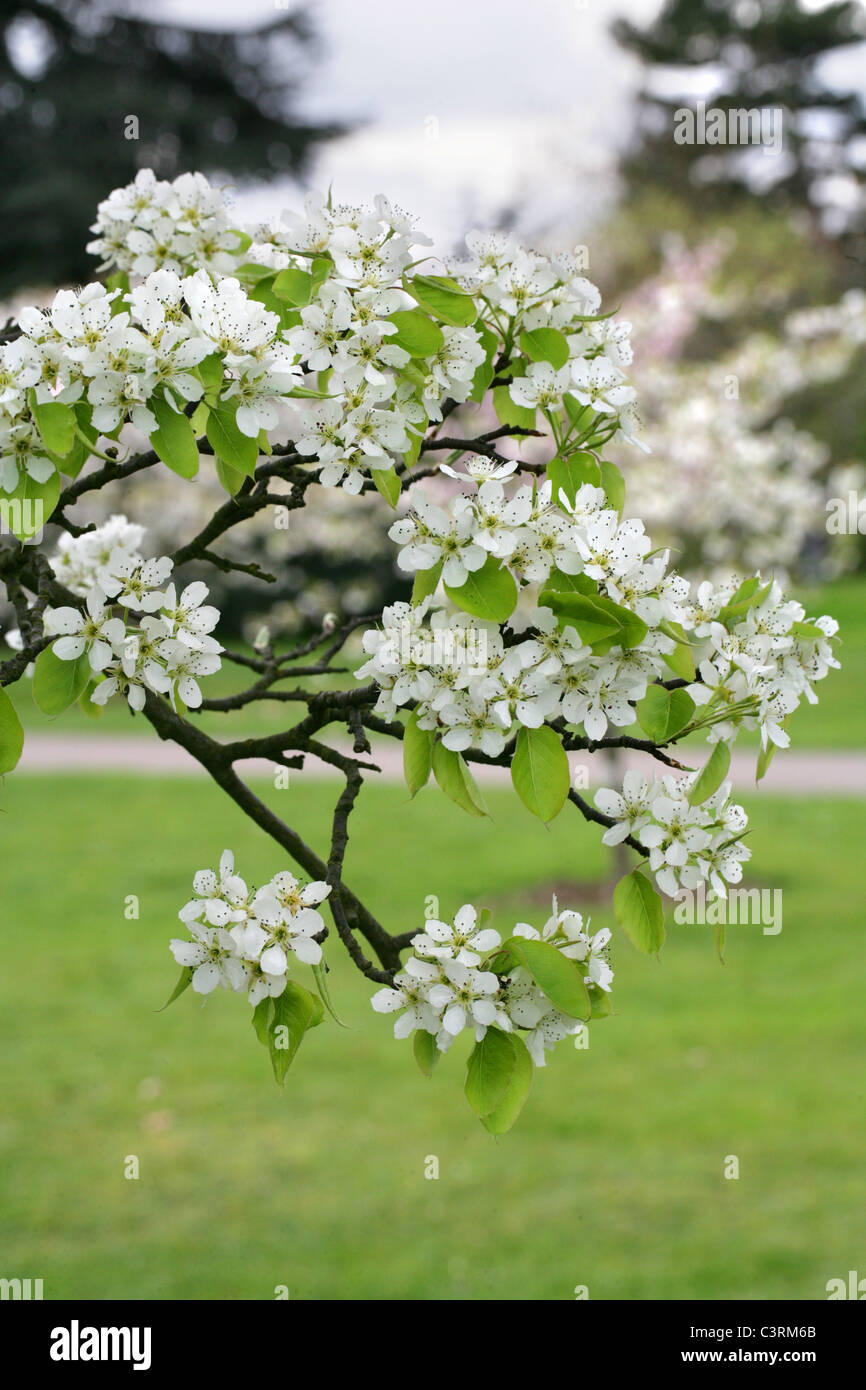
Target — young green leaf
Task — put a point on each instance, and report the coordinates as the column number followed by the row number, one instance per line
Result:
column 556, row 975
column 662, row 714
column 320, row 975
column 229, row 444
column 294, row 286
column 613, row 483
column 174, row 439
column 638, row 909
column 417, row 754
column 426, row 582
column 388, row 484
column 456, row 780
column 680, row 659
column 443, row 298
column 25, row 511
column 489, row 1071
column 416, row 333
column 599, row 621
column 425, row 1051
column 540, row 772
column 488, row 593
column 295, row 1011
column 712, row 774
column 11, row 734
column 57, row 684
column 183, row 983
column 508, row 412
column 545, row 345
column 500, row 1119
column 55, row 422
column 569, row 474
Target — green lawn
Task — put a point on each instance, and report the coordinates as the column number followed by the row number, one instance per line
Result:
column 613, row 1177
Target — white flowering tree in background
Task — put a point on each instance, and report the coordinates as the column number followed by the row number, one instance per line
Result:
column 729, row 480
column 330, row 351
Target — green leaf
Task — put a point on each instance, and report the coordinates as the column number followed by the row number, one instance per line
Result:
column 488, row 593
column 443, row 298
column 417, row 754
column 456, row 780
column 639, row 911
column 569, row 474
column 57, row 684
column 614, row 485
column 183, row 983
column 599, row 621
column 426, row 582
column 251, row 272
column 484, row 372
column 540, row 772
column 210, row 371
column 545, row 345
column 11, row 734
column 750, row 593
column 229, row 477
column 86, row 705
column 320, row 975
column 416, row 333
column 712, row 774
column 262, row 1017
column 229, row 444
column 765, row 757
column 662, row 714
column 601, row 1005
column 388, row 484
column 174, row 439
column 559, row 583
column 508, row 412
column 295, row 1011
column 25, row 511
column 489, row 1071
column 556, row 976
column 680, row 659
column 293, row 285
column 808, row 630
column 500, row 1119
column 320, row 271
column 55, row 422
column 425, row 1051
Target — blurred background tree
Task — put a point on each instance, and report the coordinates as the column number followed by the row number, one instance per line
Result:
column 73, row 72
column 744, row 54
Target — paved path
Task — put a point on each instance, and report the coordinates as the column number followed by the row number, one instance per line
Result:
column 834, row 773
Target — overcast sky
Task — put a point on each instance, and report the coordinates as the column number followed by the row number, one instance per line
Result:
column 466, row 107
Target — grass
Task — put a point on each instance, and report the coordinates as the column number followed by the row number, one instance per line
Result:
column 613, row 1177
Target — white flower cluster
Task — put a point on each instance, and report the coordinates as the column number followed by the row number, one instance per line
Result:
column 729, row 480
column 137, row 634
column 152, row 224
column 244, row 939
column 79, row 560
column 687, row 844
column 445, row 987
column 376, row 394
column 474, row 687
column 535, row 291
column 770, row 658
